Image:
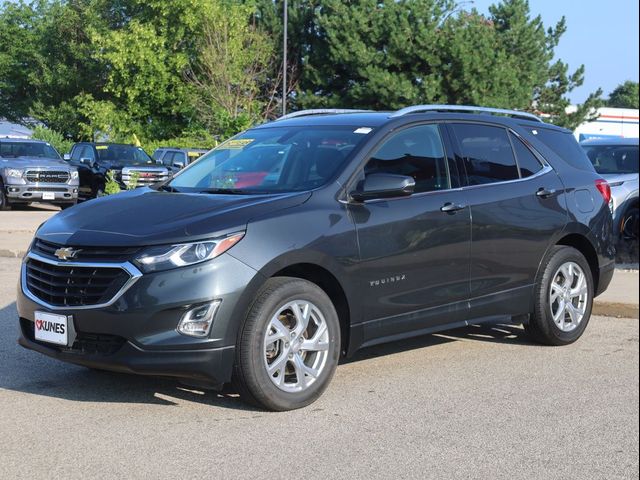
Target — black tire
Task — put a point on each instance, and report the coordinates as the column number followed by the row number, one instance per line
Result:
column 250, row 373
column 541, row 326
column 629, row 225
column 4, row 203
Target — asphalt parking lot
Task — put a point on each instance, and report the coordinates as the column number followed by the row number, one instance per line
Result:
column 471, row 403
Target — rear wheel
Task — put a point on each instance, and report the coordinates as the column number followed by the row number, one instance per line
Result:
column 629, row 225
column 564, row 298
column 289, row 346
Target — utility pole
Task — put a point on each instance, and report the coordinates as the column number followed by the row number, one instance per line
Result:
column 284, row 61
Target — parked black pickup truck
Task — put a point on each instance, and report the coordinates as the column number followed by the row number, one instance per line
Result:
column 94, row 160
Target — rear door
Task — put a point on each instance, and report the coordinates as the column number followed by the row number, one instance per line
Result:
column 414, row 257
column 515, row 210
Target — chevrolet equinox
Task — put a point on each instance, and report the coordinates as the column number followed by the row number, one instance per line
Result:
column 326, row 231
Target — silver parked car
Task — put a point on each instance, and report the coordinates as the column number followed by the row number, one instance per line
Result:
column 616, row 159
column 32, row 171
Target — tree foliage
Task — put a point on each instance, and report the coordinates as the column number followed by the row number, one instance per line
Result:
column 165, row 69
column 624, row 95
column 232, row 63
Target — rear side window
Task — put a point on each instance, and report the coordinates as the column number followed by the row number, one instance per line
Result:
column 564, row 145
column 416, row 152
column 487, row 152
column 527, row 161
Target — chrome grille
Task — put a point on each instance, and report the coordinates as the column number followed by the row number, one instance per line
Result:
column 145, row 177
column 46, row 176
column 73, row 286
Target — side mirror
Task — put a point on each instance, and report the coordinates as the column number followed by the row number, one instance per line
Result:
column 383, row 185
column 88, row 161
column 67, row 157
column 178, row 164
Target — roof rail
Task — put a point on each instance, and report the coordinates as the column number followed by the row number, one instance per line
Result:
column 320, row 111
column 464, row 108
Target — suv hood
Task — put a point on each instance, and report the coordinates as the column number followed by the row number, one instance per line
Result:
column 148, row 217
column 33, row 162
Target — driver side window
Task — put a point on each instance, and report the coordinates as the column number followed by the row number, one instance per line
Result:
column 416, row 152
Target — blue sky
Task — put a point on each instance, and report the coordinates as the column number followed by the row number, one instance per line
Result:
column 602, row 35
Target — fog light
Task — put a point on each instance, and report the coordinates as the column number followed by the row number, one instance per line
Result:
column 14, row 189
column 197, row 321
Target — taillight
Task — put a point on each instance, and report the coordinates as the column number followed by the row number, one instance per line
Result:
column 604, row 188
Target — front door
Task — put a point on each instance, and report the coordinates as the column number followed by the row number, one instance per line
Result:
column 414, row 257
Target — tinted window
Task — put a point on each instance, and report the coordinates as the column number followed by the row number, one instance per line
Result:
column 126, row 154
column 564, row 145
column 75, row 153
column 157, row 155
column 527, row 161
column 168, row 158
column 416, row 152
column 488, row 153
column 274, row 159
column 613, row 158
column 27, row 149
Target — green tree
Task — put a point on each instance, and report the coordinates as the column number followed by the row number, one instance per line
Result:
column 56, row 139
column 624, row 95
column 232, row 63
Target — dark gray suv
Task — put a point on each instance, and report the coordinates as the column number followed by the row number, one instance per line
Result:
column 308, row 238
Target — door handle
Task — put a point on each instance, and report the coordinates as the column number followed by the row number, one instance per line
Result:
column 451, row 207
column 544, row 193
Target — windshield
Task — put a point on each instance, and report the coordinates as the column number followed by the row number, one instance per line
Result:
column 266, row 160
column 27, row 149
column 608, row 159
column 126, row 154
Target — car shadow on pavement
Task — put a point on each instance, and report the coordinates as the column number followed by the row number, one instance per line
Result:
column 489, row 332
column 25, row 371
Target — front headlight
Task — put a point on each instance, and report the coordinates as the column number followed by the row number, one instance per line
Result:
column 13, row 172
column 165, row 257
column 74, row 174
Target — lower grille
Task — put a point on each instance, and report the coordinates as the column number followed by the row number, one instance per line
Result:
column 47, row 189
column 73, row 286
column 85, row 343
column 47, row 176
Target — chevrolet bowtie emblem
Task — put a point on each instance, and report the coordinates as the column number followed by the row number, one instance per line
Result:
column 66, row 253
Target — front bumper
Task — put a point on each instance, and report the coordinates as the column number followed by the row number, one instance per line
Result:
column 35, row 192
column 137, row 332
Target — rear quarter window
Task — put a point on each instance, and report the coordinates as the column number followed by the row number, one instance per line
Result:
column 564, row 145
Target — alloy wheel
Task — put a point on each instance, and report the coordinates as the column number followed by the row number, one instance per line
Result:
column 568, row 296
column 296, row 346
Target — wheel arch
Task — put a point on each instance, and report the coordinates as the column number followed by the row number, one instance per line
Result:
column 315, row 267
column 328, row 282
column 585, row 247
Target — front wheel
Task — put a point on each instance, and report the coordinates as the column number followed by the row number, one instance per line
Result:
column 289, row 345
column 564, row 298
